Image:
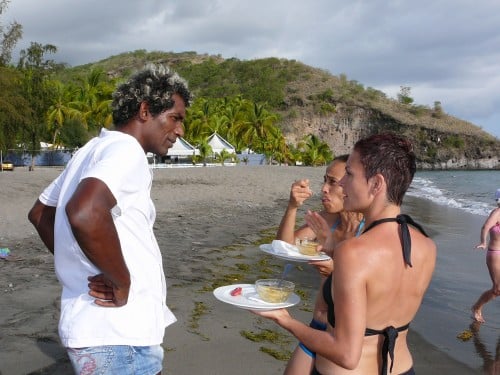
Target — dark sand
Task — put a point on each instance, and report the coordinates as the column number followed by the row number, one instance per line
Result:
column 209, row 224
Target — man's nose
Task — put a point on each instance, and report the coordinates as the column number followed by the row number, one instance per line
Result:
column 180, row 129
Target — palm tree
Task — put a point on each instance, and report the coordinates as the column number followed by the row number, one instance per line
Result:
column 315, row 152
column 281, row 151
column 223, row 156
column 196, row 125
column 94, row 99
column 258, row 125
column 61, row 109
column 294, row 154
column 218, row 124
column 233, row 112
column 205, row 150
column 275, row 147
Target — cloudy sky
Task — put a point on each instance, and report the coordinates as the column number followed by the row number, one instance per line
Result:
column 444, row 50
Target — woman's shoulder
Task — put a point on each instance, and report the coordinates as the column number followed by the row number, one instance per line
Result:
column 351, row 247
column 494, row 214
column 358, row 258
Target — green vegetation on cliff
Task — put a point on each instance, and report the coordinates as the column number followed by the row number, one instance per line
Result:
column 294, row 101
column 299, row 93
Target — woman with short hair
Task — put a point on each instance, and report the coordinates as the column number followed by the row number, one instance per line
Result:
column 380, row 277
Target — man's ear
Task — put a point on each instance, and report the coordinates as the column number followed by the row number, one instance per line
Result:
column 143, row 111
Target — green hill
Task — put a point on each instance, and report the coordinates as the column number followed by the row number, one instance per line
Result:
column 313, row 101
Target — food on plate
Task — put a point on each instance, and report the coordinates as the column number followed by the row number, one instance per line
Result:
column 307, row 246
column 274, row 290
column 236, row 291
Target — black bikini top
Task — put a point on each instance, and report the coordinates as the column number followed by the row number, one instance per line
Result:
column 402, row 220
column 390, row 333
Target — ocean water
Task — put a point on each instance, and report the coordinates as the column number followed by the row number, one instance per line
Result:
column 470, row 191
column 452, row 206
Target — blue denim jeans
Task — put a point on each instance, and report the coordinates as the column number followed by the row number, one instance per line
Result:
column 116, row 359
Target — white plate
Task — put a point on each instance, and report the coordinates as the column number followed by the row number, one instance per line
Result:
column 249, row 299
column 290, row 252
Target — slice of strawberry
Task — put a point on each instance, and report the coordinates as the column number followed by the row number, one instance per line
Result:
column 236, row 291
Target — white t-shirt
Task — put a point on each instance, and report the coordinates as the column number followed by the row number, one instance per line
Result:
column 119, row 161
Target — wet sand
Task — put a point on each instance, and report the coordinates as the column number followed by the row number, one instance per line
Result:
column 210, row 222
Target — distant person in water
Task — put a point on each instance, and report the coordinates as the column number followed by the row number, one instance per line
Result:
column 490, row 227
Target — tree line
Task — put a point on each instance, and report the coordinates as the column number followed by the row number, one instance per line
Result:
column 36, row 106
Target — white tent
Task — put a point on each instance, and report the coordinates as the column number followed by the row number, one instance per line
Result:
column 182, row 148
column 218, row 144
column 49, row 146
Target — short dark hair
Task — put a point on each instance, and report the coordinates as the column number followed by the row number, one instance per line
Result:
column 392, row 156
column 342, row 157
column 155, row 85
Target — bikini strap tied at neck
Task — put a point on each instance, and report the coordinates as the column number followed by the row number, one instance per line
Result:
column 405, row 234
column 402, row 220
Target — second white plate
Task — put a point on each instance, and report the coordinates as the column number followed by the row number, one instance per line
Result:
column 291, row 254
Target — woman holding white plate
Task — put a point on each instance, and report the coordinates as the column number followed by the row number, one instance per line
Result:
column 380, row 277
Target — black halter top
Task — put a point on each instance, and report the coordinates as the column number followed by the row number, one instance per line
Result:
column 390, row 333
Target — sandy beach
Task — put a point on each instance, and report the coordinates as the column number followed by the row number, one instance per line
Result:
column 210, row 222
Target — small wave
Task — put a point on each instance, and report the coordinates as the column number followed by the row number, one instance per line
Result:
column 427, row 189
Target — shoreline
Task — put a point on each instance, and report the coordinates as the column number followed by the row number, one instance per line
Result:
column 208, row 226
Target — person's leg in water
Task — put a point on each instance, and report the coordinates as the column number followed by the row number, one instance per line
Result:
column 493, row 263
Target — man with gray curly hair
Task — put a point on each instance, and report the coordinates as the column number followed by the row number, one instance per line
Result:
column 97, row 219
column 155, row 85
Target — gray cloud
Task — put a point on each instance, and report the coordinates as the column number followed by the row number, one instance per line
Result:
column 444, row 50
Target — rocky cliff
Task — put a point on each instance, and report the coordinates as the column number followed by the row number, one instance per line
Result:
column 435, row 149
